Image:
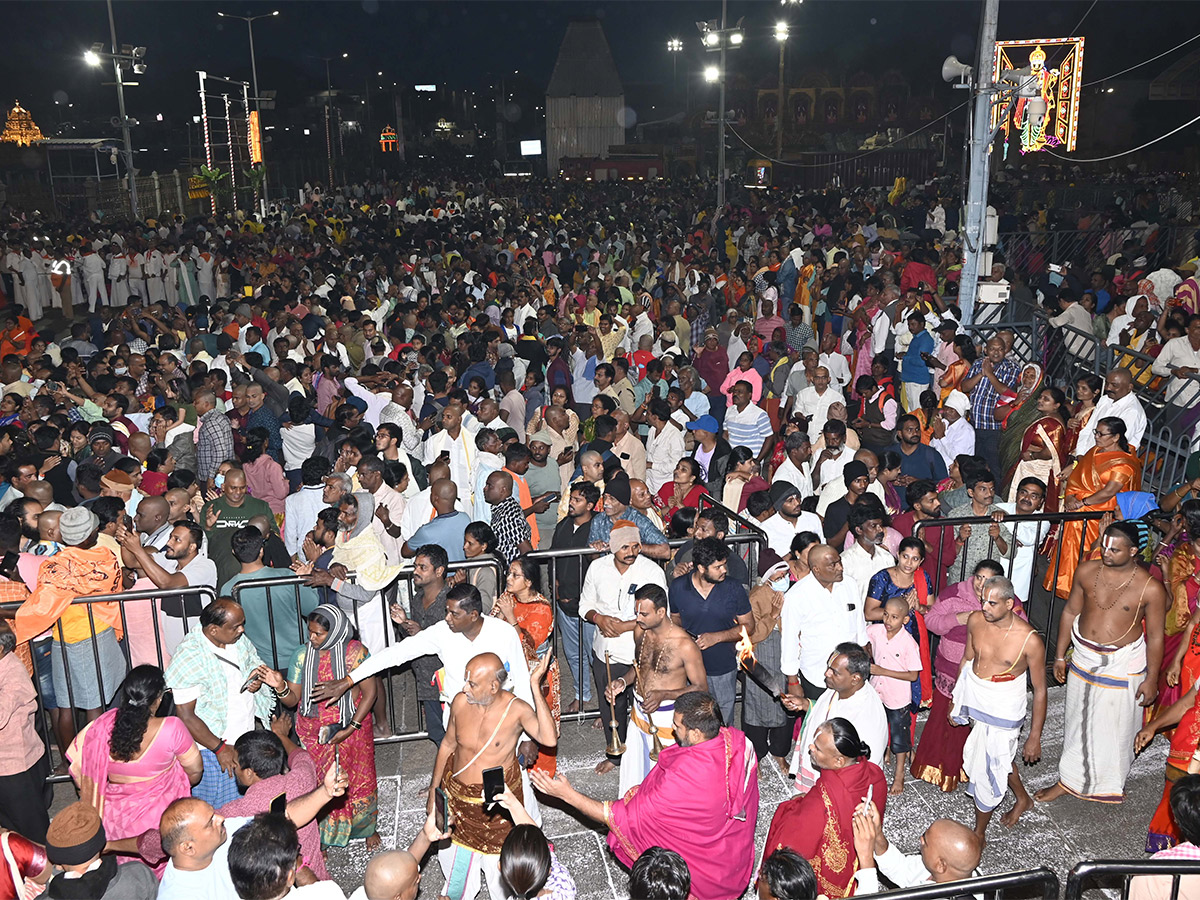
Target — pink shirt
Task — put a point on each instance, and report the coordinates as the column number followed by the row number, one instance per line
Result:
column 20, row 746
column 900, row 654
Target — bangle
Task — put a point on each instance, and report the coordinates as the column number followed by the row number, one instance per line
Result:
column 284, row 692
column 1060, row 659
column 220, row 744
column 355, row 724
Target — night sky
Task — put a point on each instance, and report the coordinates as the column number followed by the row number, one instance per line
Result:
column 469, row 45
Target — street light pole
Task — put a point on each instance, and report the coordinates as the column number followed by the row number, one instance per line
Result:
column 981, row 139
column 781, row 35
column 129, row 170
column 720, row 114
column 249, row 20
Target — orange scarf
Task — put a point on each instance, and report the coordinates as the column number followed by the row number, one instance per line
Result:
column 74, row 572
column 526, row 501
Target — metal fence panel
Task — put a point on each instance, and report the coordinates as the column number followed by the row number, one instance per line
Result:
column 1100, row 874
column 1039, row 882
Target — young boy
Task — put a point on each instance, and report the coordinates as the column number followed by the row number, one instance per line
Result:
column 896, row 664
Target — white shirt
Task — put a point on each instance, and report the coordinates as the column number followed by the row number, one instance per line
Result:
column 861, row 566
column 200, row 571
column 300, row 515
column 780, row 531
column 832, row 468
column 663, row 451
column 814, row 621
column 212, row 882
column 239, row 717
column 1078, row 318
column 455, row 651
column 396, row 504
column 609, row 592
column 815, row 407
column 1177, row 353
column 462, row 454
column 800, row 478
column 839, row 370
column 959, row 438
column 901, row 870
column 863, row 709
column 1029, row 537
column 1128, row 408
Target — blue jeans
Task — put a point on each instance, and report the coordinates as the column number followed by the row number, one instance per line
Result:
column 568, row 630
column 724, row 691
column 42, row 665
column 433, row 720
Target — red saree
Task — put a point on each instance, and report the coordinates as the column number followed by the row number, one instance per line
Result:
column 1050, row 434
column 818, row 825
column 1162, row 832
column 535, row 624
column 1091, row 473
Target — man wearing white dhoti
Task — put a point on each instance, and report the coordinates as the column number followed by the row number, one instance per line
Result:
column 118, row 271
column 1113, row 626
column 91, row 267
column 990, row 694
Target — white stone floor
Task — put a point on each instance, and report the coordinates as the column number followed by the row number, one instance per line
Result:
column 1057, row 835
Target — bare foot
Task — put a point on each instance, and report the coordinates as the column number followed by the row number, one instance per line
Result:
column 61, row 768
column 424, row 790
column 1050, row 794
column 374, row 842
column 382, row 732
column 782, row 762
column 572, row 707
column 1010, row 818
column 605, row 767
column 897, row 787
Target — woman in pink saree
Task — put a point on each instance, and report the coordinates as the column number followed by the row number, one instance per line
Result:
column 130, row 764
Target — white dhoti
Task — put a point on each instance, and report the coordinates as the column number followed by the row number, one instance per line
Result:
column 996, row 710
column 639, row 741
column 1102, row 717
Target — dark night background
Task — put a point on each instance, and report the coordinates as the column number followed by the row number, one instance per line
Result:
column 469, row 46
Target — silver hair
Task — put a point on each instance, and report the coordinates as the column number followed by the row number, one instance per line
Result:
column 347, row 483
column 1001, row 584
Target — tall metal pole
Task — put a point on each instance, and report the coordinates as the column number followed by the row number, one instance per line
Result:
column 329, row 124
column 721, row 114
column 977, row 185
column 129, row 173
column 779, row 105
column 258, row 106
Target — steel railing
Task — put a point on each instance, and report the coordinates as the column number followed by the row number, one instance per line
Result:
column 1005, row 886
column 133, row 644
column 1102, row 873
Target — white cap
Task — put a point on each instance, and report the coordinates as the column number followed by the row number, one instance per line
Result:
column 957, row 401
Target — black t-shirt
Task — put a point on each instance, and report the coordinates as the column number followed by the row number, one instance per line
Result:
column 836, row 516
column 569, row 572
column 716, row 612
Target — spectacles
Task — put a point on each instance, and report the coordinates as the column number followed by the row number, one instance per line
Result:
column 1100, row 433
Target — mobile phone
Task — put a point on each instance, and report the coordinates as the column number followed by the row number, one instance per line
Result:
column 493, row 785
column 441, row 810
column 326, row 733
column 246, row 684
column 551, row 496
column 248, row 290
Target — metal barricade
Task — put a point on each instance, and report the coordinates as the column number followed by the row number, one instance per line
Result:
column 1039, row 882
column 555, row 559
column 740, row 521
column 1042, row 606
column 137, row 647
column 1096, row 874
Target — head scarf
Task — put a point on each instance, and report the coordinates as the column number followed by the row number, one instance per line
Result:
column 340, row 629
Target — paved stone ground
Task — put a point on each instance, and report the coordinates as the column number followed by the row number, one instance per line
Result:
column 1057, row 835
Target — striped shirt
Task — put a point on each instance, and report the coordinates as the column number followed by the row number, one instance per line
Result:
column 749, row 427
column 985, row 396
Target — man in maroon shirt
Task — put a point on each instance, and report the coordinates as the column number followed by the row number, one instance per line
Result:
column 923, row 506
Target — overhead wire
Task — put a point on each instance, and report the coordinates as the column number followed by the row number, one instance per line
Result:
column 1075, row 30
column 1125, row 152
column 1142, row 63
column 784, row 162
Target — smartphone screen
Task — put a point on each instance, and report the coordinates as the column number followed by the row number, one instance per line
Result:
column 493, row 784
column 248, row 290
column 441, row 810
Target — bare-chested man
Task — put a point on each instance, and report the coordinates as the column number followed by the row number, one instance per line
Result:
column 990, row 692
column 668, row 663
column 486, row 723
column 1114, row 666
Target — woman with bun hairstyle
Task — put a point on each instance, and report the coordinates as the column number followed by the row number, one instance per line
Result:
column 818, row 826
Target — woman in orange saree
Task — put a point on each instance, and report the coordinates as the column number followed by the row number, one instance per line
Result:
column 1181, row 646
column 524, row 607
column 1044, row 450
column 1102, row 473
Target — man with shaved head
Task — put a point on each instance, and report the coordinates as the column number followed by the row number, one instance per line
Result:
column 447, row 526
column 950, row 851
column 491, row 699
column 396, row 874
column 196, row 837
column 153, row 522
column 828, row 610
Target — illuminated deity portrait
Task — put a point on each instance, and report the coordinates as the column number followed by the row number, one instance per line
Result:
column 1042, row 105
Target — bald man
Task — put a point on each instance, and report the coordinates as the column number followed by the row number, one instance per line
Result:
column 446, row 528
column 591, row 469
column 196, row 837
column 835, row 488
column 49, row 539
column 153, row 522
column 950, row 851
column 485, row 724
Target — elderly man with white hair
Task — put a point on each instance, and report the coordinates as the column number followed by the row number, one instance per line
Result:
column 952, row 433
